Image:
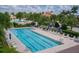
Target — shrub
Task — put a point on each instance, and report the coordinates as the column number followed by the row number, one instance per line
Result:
column 71, row 33
column 64, row 27
column 19, row 25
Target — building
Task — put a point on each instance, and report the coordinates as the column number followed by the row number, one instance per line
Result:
column 47, row 14
column 13, row 17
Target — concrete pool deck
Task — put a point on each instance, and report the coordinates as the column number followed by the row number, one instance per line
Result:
column 67, row 43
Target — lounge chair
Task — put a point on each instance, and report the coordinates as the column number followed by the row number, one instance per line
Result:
column 73, row 38
column 43, row 27
column 14, row 46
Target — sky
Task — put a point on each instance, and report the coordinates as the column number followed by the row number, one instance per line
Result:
column 35, row 8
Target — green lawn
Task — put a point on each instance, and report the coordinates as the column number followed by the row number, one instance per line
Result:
column 4, row 48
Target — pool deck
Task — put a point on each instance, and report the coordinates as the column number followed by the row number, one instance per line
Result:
column 66, row 42
column 17, row 44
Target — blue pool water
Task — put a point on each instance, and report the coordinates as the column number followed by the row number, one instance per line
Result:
column 34, row 41
column 18, row 20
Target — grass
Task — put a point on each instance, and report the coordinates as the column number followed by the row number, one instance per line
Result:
column 4, row 48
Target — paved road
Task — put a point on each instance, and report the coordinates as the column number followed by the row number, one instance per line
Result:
column 74, row 49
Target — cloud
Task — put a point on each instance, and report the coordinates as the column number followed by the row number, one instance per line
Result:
column 34, row 8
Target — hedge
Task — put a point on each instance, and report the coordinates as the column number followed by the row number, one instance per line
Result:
column 19, row 25
column 71, row 33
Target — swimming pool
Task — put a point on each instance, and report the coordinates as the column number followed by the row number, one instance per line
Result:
column 34, row 41
column 19, row 20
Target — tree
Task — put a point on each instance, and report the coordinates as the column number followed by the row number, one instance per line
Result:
column 19, row 15
column 7, row 20
column 72, row 18
column 68, row 17
column 4, row 24
column 1, row 33
column 4, row 20
column 74, row 9
column 12, row 13
column 24, row 15
column 72, row 21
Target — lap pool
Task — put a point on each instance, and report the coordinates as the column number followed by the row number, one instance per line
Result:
column 34, row 41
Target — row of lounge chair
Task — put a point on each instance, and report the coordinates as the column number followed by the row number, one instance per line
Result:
column 57, row 33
